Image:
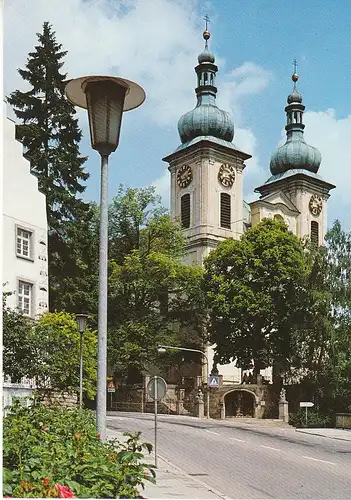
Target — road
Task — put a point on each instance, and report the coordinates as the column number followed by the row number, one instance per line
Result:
column 248, row 460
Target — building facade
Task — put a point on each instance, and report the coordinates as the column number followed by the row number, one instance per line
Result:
column 206, row 173
column 24, row 231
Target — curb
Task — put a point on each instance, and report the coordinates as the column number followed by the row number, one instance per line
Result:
column 322, row 435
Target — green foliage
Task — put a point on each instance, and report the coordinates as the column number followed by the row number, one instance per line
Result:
column 19, row 349
column 74, row 254
column 152, row 294
column 48, row 446
column 59, row 340
column 48, row 350
column 315, row 419
column 255, row 290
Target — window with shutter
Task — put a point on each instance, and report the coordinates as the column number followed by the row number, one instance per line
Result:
column 225, row 211
column 185, row 210
column 314, row 233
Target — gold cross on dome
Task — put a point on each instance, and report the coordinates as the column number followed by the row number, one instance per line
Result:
column 207, row 20
column 295, row 65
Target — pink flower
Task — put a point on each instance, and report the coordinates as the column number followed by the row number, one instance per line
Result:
column 64, row 491
column 99, row 435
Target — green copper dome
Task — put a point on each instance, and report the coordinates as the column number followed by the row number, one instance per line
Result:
column 206, row 119
column 295, row 153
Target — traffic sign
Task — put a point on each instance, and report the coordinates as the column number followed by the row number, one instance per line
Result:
column 111, row 386
column 306, row 404
column 156, row 388
column 213, row 381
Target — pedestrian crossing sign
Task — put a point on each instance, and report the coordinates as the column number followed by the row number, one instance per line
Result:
column 213, row 381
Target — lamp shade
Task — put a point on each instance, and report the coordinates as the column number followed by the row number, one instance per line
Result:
column 105, row 101
column 106, row 98
column 81, row 322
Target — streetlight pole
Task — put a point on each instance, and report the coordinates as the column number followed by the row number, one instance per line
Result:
column 81, row 324
column 162, row 348
column 105, row 98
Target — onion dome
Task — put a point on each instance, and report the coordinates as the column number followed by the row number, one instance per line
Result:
column 206, row 119
column 295, row 153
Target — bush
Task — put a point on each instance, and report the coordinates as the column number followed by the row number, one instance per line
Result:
column 315, row 419
column 55, row 452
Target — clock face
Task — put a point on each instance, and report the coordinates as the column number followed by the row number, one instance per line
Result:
column 184, row 176
column 226, row 175
column 315, row 205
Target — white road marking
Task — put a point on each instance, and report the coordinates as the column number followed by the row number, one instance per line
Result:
column 269, row 448
column 239, row 440
column 318, row 460
column 211, row 432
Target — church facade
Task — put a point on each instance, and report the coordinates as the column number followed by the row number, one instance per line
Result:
column 207, row 172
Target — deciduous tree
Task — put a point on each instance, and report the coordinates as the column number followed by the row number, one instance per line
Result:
column 255, row 288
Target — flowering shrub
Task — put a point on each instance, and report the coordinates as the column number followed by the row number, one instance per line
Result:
column 55, row 452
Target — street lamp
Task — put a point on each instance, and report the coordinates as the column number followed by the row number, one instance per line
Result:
column 81, row 324
column 105, row 97
column 163, row 348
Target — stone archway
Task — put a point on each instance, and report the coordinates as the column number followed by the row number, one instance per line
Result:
column 240, row 403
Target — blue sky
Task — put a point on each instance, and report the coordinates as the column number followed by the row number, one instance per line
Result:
column 156, row 43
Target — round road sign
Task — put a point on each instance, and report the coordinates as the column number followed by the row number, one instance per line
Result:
column 156, row 388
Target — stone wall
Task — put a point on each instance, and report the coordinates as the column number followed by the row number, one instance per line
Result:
column 64, row 399
column 343, row 421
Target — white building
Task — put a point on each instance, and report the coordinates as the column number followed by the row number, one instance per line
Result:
column 24, row 230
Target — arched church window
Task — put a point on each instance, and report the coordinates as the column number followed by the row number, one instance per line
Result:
column 225, row 210
column 185, row 210
column 279, row 218
column 205, row 78
column 314, row 233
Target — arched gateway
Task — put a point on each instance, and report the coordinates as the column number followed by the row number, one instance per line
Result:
column 240, row 403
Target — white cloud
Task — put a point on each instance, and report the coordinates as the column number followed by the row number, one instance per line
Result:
column 241, row 82
column 154, row 42
column 162, row 185
column 332, row 136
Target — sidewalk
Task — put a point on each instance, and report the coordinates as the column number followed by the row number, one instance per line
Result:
column 172, row 482
column 343, row 434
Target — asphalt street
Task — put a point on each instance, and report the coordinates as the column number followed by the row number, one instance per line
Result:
column 243, row 460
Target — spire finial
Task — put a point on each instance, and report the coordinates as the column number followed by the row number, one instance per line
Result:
column 295, row 76
column 206, row 34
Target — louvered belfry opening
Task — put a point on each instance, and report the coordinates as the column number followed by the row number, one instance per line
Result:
column 225, row 211
column 185, row 210
column 314, row 233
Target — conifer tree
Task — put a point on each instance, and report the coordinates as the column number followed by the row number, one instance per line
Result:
column 50, row 136
column 49, row 131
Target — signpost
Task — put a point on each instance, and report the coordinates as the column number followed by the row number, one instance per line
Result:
column 156, row 389
column 111, row 389
column 306, row 404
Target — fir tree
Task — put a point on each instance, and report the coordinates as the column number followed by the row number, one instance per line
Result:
column 49, row 132
column 50, row 136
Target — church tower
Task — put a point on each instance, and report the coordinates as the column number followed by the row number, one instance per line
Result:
column 295, row 192
column 206, row 169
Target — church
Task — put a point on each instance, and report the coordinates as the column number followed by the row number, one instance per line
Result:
column 207, row 179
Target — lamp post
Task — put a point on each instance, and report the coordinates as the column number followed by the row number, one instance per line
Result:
column 163, row 348
column 105, row 97
column 81, row 324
